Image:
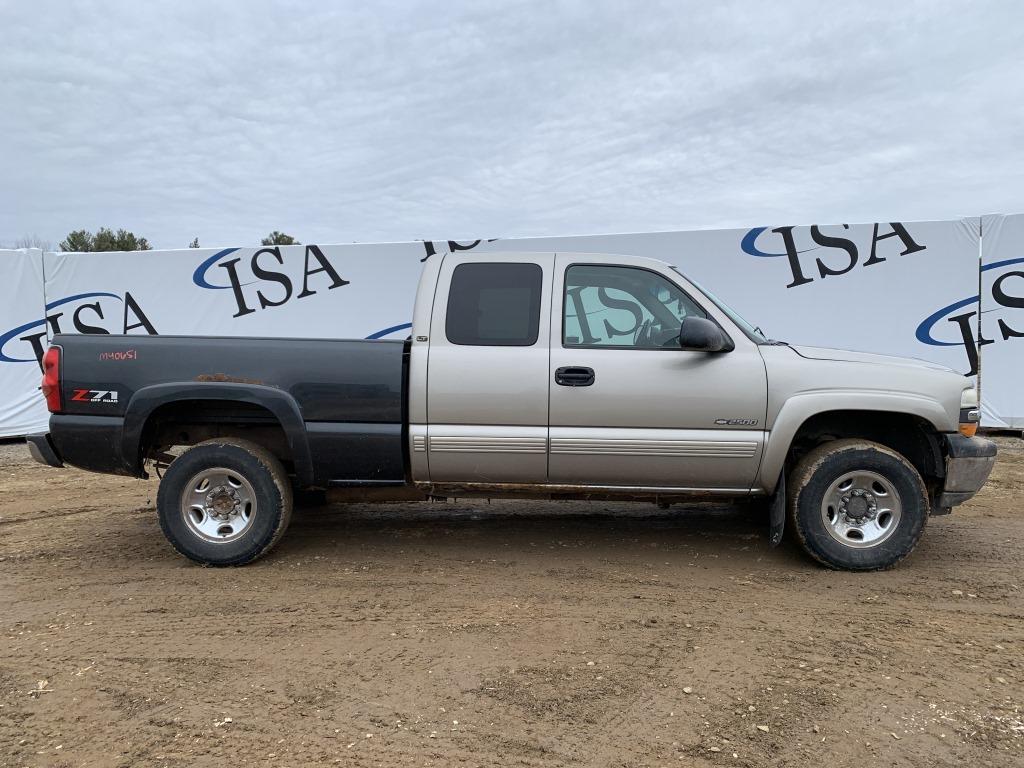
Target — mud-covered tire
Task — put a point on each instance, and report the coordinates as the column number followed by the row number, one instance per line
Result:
column 248, row 467
column 814, row 480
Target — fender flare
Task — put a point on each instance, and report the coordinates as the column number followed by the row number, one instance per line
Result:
column 279, row 403
column 799, row 408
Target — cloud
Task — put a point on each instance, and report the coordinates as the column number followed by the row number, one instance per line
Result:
column 395, row 121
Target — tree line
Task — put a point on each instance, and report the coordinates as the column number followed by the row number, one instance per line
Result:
column 104, row 239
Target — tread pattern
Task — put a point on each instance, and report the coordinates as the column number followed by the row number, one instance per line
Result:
column 811, row 463
column 277, row 473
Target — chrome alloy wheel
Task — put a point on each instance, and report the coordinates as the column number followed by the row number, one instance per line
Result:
column 218, row 505
column 861, row 509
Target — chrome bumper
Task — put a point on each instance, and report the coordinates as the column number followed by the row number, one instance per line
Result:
column 969, row 461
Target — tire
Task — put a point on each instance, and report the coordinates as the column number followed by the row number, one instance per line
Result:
column 224, row 502
column 856, row 505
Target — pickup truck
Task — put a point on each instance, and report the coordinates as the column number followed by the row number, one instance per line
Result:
column 538, row 375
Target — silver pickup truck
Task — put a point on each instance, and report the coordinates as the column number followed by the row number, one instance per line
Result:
column 539, row 375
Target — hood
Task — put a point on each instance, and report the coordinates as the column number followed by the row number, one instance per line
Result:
column 843, row 355
column 833, row 379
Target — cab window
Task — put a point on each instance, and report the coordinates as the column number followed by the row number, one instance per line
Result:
column 494, row 304
column 629, row 307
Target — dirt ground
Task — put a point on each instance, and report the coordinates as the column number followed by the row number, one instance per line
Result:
column 503, row 634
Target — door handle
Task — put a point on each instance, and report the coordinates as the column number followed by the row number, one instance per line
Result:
column 574, row 376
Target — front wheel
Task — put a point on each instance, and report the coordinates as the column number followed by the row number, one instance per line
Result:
column 857, row 505
column 224, row 502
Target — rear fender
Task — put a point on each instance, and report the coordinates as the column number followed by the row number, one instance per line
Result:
column 278, row 402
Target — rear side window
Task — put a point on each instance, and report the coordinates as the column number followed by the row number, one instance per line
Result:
column 494, row 305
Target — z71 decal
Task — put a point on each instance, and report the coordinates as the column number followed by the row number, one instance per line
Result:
column 94, row 396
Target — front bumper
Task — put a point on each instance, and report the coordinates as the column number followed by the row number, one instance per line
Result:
column 969, row 461
column 42, row 450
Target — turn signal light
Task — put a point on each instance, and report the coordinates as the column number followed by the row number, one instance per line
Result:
column 969, row 418
column 51, row 380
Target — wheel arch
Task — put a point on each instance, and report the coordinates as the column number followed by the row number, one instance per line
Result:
column 147, row 403
column 909, row 424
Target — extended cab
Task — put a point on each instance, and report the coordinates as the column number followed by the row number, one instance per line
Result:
column 526, row 374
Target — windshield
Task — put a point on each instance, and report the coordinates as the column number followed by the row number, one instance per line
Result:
column 753, row 333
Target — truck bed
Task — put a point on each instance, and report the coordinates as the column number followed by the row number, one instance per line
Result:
column 348, row 395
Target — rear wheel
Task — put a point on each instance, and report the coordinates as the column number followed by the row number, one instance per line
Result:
column 224, row 502
column 857, row 505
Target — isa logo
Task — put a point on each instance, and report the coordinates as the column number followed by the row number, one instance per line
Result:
column 274, row 276
column 835, row 253
column 97, row 312
column 956, row 324
column 269, row 277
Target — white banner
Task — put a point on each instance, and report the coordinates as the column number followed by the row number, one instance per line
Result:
column 1002, row 321
column 901, row 288
column 21, row 405
column 865, row 287
column 306, row 291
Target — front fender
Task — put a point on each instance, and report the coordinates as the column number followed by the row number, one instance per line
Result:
column 278, row 402
column 799, row 408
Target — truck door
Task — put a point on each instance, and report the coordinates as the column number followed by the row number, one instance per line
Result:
column 487, row 371
column 628, row 407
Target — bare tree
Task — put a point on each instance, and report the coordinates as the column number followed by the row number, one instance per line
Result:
column 33, row 241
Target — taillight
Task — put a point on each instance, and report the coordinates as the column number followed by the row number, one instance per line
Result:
column 51, row 379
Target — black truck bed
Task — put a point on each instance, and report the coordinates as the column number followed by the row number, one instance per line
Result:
column 340, row 402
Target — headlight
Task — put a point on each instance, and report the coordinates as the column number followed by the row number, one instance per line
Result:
column 970, row 415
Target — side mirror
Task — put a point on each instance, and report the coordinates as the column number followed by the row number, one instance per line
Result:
column 698, row 334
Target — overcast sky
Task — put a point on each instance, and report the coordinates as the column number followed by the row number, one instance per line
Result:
column 367, row 121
